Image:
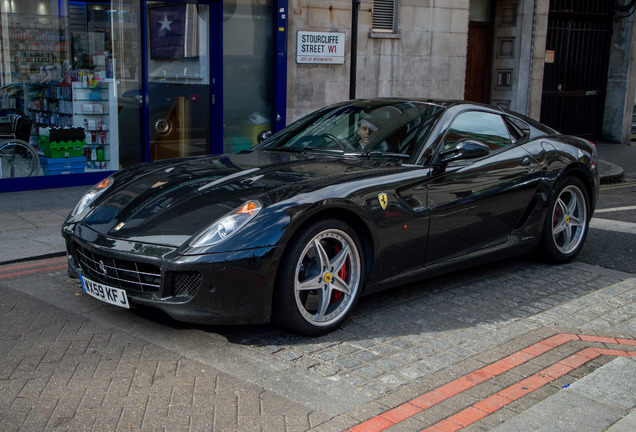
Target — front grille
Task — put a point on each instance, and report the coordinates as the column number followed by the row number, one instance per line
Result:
column 128, row 275
column 186, row 284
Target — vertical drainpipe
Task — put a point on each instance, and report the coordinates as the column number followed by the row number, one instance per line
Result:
column 355, row 6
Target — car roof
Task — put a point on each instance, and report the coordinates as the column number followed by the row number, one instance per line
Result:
column 446, row 103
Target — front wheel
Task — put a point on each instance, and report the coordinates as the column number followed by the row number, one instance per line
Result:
column 567, row 221
column 320, row 278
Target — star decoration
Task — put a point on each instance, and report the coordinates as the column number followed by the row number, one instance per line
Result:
column 165, row 23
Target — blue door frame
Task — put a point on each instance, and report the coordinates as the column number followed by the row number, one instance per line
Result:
column 216, row 72
column 279, row 64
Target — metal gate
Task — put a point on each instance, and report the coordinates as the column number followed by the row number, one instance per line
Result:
column 577, row 57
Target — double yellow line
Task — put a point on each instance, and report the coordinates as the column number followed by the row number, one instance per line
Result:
column 619, row 185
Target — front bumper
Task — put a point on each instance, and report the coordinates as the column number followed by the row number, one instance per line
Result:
column 224, row 288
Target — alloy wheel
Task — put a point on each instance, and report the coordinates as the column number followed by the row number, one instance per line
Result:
column 327, row 277
column 569, row 219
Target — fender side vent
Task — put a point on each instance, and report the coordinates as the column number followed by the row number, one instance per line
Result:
column 526, row 214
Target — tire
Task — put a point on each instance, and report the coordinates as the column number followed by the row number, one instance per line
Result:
column 567, row 221
column 323, row 261
column 18, row 159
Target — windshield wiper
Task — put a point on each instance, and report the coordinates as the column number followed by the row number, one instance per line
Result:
column 324, row 151
column 377, row 153
column 285, row 149
column 307, row 149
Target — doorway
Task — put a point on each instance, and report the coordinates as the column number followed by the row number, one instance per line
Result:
column 477, row 60
column 478, row 55
column 179, row 62
column 575, row 72
column 205, row 81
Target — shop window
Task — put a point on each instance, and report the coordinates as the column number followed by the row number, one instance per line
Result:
column 247, row 73
column 62, row 63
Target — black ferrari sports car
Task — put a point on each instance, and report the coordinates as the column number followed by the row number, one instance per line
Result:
column 357, row 197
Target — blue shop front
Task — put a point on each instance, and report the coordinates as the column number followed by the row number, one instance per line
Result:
column 90, row 87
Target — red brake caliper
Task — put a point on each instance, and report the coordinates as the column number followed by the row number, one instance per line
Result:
column 337, row 295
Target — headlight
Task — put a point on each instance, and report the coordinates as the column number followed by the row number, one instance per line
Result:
column 228, row 225
column 89, row 197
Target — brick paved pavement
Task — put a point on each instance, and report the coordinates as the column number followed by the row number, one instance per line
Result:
column 62, row 371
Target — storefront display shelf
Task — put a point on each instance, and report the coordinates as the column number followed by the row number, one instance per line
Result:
column 38, row 45
column 92, row 107
column 47, row 104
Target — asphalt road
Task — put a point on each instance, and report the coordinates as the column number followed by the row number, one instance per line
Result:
column 613, row 247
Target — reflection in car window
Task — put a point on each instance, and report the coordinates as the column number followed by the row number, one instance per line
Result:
column 482, row 126
column 359, row 128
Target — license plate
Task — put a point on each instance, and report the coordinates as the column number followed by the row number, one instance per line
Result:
column 105, row 293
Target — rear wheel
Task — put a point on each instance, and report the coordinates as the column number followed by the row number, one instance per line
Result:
column 320, row 278
column 567, row 221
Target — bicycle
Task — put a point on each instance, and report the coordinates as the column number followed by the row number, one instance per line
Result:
column 17, row 157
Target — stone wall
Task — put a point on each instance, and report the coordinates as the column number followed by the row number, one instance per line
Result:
column 538, row 56
column 619, row 99
column 427, row 58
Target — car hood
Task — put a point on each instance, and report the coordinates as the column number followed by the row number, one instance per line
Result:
column 169, row 201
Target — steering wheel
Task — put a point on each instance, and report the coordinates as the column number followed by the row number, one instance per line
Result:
column 344, row 146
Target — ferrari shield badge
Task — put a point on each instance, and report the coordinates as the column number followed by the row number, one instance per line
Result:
column 383, row 199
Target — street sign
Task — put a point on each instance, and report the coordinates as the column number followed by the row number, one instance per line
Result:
column 320, row 47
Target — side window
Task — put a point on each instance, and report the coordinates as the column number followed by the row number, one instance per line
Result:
column 486, row 127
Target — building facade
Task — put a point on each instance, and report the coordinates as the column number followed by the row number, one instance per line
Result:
column 568, row 63
column 109, row 83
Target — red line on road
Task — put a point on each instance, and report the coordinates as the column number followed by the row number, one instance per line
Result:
column 18, row 272
column 32, row 264
column 497, row 401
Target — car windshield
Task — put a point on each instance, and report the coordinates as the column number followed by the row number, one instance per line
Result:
column 364, row 128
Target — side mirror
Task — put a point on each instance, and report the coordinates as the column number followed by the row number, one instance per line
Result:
column 465, row 149
column 263, row 136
